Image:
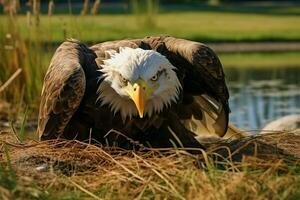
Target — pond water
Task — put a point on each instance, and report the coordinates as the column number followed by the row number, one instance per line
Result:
column 258, row 96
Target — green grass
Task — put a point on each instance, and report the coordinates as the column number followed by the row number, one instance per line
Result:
column 202, row 26
column 260, row 60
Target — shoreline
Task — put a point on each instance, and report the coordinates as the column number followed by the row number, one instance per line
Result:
column 243, row 47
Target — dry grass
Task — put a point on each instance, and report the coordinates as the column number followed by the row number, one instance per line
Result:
column 75, row 170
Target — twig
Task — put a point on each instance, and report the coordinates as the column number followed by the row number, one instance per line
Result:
column 84, row 190
column 10, row 80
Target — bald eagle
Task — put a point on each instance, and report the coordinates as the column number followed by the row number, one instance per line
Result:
column 160, row 91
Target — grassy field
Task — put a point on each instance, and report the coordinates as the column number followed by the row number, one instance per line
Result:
column 202, row 26
column 260, row 60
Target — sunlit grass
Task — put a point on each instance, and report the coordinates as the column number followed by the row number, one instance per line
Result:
column 204, row 26
column 260, row 60
column 29, row 56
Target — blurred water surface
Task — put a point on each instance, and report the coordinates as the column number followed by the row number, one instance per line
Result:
column 258, row 96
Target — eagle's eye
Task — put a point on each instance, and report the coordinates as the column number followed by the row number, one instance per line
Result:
column 154, row 78
column 123, row 80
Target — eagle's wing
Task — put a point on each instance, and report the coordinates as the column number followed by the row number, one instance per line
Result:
column 205, row 94
column 63, row 89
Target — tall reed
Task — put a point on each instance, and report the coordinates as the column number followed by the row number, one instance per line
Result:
column 18, row 53
column 24, row 47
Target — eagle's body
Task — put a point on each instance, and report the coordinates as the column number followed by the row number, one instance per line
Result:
column 151, row 92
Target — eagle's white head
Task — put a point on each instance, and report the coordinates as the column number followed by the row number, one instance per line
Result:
column 138, row 82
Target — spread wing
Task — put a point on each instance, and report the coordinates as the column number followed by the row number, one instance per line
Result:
column 205, row 94
column 63, row 89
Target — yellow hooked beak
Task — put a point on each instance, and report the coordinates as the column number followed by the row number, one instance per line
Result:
column 139, row 93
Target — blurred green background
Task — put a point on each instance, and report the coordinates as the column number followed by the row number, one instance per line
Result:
column 258, row 43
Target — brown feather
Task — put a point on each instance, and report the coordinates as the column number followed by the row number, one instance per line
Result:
column 69, row 106
column 63, row 89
